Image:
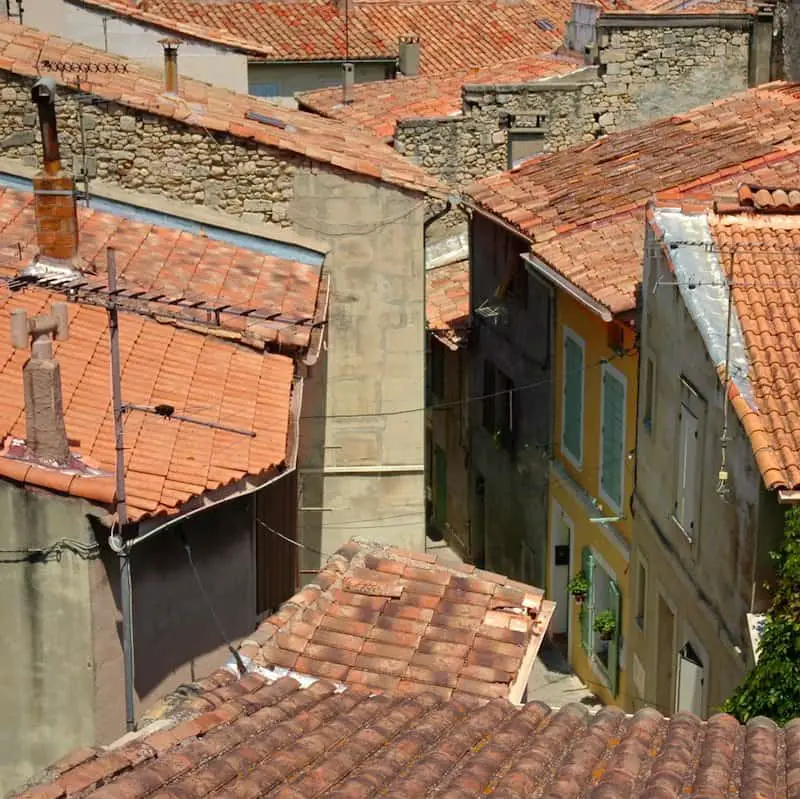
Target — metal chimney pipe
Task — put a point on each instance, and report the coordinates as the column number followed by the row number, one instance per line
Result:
column 349, row 80
column 43, row 94
column 170, row 64
column 408, row 57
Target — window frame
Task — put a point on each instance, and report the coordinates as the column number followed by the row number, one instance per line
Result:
column 693, row 403
column 620, row 377
column 569, row 333
column 642, row 579
column 650, row 394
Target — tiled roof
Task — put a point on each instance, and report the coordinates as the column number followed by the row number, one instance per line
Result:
column 23, row 51
column 557, row 200
column 252, row 737
column 454, row 33
column 168, row 462
column 447, row 301
column 176, row 262
column 402, row 621
column 379, row 105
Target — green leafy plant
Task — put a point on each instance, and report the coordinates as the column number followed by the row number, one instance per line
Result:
column 772, row 688
column 605, row 623
column 578, row 586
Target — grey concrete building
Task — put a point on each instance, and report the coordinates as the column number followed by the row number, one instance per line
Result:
column 709, row 499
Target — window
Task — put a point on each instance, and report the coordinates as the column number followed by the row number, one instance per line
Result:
column 687, row 483
column 437, row 369
column 500, row 410
column 265, row 89
column 524, row 144
column 572, row 399
column 648, row 409
column 612, row 437
column 604, row 596
column 641, row 593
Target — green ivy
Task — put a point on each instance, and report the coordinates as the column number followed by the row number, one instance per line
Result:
column 772, row 688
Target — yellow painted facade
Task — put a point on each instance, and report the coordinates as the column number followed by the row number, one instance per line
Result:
column 576, row 498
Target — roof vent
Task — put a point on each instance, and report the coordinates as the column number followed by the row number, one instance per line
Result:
column 348, row 69
column 545, row 24
column 273, row 122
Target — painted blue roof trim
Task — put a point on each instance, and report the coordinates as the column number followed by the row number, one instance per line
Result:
column 279, row 249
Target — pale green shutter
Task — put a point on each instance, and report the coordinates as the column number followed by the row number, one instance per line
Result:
column 572, row 434
column 613, row 437
column 586, row 613
column 615, row 598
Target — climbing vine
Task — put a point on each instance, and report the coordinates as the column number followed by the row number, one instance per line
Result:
column 772, row 688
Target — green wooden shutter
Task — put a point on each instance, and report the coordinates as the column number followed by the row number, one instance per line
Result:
column 615, row 600
column 586, row 613
column 572, row 434
column 613, row 437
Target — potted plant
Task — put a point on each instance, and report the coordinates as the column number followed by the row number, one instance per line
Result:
column 605, row 623
column 578, row 586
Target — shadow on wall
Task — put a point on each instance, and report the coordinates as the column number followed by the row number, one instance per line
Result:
column 176, row 638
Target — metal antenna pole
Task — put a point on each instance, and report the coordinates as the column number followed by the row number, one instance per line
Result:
column 126, row 588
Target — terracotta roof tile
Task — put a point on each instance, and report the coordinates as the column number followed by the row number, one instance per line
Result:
column 23, row 50
column 454, row 33
column 165, row 466
column 590, row 200
column 425, row 638
column 447, row 302
column 275, row 738
column 379, row 105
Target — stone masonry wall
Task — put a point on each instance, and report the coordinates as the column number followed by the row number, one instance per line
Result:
column 154, row 155
column 643, row 73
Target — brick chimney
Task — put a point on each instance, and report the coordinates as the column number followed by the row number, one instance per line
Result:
column 45, row 433
column 53, row 189
column 170, row 64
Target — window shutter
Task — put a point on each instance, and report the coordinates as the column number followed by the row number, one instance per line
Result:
column 685, row 505
column 572, row 434
column 613, row 437
column 587, row 608
column 615, row 601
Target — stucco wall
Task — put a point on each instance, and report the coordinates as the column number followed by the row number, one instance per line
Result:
column 710, row 580
column 47, row 685
column 197, row 59
column 519, row 344
column 175, row 637
column 648, row 71
column 362, row 419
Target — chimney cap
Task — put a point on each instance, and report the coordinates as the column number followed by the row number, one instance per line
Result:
column 170, row 43
column 44, row 89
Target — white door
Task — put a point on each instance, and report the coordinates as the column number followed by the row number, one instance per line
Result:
column 559, row 568
column 691, row 676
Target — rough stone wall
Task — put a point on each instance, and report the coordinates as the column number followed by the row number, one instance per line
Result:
column 655, row 72
column 152, row 154
column 643, row 74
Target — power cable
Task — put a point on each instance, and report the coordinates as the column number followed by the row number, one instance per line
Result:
column 234, row 653
column 51, row 552
column 292, row 541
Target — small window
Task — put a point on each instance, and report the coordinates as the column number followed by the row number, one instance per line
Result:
column 500, row 407
column 612, row 437
column 572, row 399
column 641, row 594
column 648, row 409
column 523, row 145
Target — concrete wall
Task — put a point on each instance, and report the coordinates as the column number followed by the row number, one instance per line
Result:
column 218, row 65
column 710, row 581
column 363, row 420
column 47, row 685
column 648, row 67
column 286, row 79
column 519, row 343
column 175, row 637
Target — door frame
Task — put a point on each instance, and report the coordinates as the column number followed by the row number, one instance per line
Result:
column 557, row 512
column 661, row 594
column 689, row 636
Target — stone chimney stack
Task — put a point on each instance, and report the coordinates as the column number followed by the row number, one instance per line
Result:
column 170, row 64
column 53, row 189
column 45, row 433
column 408, row 58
